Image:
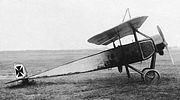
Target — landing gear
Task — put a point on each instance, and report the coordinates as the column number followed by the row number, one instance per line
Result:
column 143, row 71
column 151, row 76
column 127, row 71
column 120, row 68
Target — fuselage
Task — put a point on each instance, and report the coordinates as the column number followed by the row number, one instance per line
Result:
column 130, row 53
column 119, row 56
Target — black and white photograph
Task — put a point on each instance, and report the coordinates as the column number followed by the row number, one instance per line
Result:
column 89, row 50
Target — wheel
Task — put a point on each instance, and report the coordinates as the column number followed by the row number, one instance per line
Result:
column 151, row 76
column 144, row 70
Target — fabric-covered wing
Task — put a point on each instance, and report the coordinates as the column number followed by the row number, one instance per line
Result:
column 121, row 31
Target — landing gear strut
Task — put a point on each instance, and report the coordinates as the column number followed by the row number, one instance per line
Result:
column 150, row 75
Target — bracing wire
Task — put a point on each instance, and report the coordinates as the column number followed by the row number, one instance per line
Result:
column 127, row 11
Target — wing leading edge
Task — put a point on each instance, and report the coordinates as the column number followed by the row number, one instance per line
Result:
column 119, row 31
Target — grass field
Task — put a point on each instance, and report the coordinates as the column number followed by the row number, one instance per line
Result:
column 105, row 84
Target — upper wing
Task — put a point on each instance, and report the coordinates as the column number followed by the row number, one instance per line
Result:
column 119, row 31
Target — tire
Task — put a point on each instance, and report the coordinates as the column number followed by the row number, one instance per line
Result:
column 151, row 76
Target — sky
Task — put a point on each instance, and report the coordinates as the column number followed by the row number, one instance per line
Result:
column 68, row 24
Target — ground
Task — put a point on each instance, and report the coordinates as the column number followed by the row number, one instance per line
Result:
column 106, row 84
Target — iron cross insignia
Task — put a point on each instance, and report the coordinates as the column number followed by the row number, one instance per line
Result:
column 19, row 71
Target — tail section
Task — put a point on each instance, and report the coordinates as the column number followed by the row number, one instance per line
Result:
column 20, row 71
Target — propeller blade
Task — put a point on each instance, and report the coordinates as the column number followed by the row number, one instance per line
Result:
column 161, row 33
column 164, row 41
column 170, row 55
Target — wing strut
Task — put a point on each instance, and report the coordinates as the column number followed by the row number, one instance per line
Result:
column 118, row 37
column 136, row 39
column 114, row 45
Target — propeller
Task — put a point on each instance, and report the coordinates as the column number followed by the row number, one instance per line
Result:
column 166, row 44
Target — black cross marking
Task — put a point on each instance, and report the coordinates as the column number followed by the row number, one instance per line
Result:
column 19, row 71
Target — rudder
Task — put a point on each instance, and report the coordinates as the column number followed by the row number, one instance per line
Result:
column 20, row 71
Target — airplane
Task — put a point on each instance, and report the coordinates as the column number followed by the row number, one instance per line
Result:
column 118, row 56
